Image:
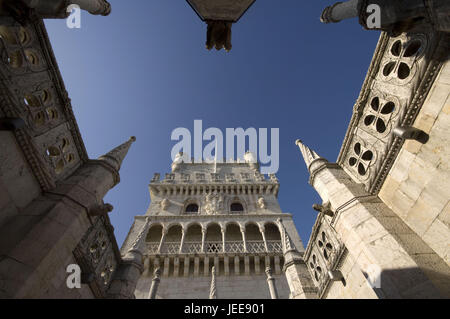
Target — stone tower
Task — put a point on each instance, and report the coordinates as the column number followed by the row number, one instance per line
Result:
column 224, row 215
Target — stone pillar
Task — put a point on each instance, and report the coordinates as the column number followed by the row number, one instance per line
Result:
column 163, row 237
column 271, row 283
column 257, row 265
column 213, row 291
column 226, row 265
column 263, row 234
column 155, row 284
column 166, row 266
column 237, row 267
column 183, row 233
column 196, row 266
column 187, row 260
column 206, row 266
column 243, row 238
column 223, row 240
column 176, row 266
column 203, row 240
column 247, row 265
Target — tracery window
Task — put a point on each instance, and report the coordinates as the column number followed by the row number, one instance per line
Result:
column 361, row 159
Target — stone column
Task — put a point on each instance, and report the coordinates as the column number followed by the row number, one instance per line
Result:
column 223, row 240
column 155, row 283
column 271, row 283
column 263, row 234
column 243, row 238
column 163, row 237
column 183, row 233
column 203, row 239
column 213, row 290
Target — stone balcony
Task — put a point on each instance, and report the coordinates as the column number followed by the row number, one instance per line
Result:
column 216, row 247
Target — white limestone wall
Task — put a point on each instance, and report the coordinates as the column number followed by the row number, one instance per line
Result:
column 356, row 285
column 228, row 287
column 417, row 188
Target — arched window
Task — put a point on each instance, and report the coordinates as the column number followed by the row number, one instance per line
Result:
column 236, row 208
column 192, row 209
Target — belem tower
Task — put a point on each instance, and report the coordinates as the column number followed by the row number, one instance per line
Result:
column 217, row 231
column 221, row 215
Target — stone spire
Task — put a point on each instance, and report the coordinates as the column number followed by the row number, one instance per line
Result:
column 309, row 155
column 286, row 240
column 116, row 156
column 212, row 291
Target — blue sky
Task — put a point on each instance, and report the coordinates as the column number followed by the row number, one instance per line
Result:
column 144, row 71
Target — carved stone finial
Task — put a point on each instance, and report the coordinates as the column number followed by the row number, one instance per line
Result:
column 309, row 155
column 116, row 156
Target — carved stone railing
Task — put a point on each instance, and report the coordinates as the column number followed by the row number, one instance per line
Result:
column 274, row 246
column 152, row 248
column 256, row 246
column 234, row 246
column 192, row 247
column 213, row 247
column 170, row 248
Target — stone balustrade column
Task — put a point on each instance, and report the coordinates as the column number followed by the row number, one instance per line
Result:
column 155, row 283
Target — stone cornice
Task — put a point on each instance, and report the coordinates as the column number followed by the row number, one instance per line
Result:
column 213, row 218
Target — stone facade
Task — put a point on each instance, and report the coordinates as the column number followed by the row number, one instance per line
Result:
column 51, row 193
column 383, row 227
column 203, row 215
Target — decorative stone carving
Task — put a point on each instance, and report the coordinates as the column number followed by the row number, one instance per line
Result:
column 165, row 203
column 262, row 203
column 213, row 204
